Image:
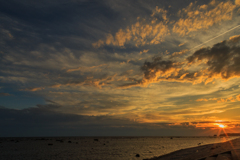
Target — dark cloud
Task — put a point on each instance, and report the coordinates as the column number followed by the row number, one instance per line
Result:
column 222, row 59
column 46, row 117
column 156, row 70
column 151, row 68
column 219, row 61
column 45, row 120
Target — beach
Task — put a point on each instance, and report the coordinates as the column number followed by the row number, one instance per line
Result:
column 135, row 148
column 201, row 152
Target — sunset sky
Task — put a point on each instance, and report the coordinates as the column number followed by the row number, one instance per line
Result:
column 119, row 67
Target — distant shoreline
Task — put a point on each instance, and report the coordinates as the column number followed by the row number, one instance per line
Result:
column 230, row 134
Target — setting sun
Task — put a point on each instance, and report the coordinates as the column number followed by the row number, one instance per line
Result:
column 221, row 126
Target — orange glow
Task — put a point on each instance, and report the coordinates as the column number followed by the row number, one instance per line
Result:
column 221, row 126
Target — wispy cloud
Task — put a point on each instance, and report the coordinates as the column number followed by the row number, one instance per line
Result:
column 143, row 32
column 153, row 31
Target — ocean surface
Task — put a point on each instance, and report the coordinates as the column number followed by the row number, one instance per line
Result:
column 107, row 148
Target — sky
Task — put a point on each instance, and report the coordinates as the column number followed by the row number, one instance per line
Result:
column 119, row 68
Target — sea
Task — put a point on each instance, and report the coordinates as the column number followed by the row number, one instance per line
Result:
column 107, row 148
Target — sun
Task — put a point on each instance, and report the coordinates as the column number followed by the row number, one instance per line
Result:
column 221, row 126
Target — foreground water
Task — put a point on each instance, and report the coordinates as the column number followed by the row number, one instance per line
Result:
column 98, row 148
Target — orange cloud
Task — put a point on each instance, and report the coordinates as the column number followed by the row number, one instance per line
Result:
column 154, row 30
column 237, row 2
column 221, row 100
column 200, row 100
column 235, row 38
column 238, row 97
column 144, row 51
column 160, row 10
column 231, row 99
column 181, row 44
column 200, row 18
column 179, row 53
column 98, row 44
column 140, row 33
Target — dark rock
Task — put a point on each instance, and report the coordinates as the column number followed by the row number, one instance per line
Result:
column 58, row 140
column 137, row 155
column 69, row 141
column 95, row 139
column 50, row 144
column 42, row 139
column 76, row 142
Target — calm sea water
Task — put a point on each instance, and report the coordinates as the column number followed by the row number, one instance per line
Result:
column 146, row 147
column 108, row 148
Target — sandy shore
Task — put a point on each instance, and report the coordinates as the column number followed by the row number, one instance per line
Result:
column 196, row 153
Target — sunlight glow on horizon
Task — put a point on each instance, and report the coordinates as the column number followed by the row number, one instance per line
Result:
column 221, row 126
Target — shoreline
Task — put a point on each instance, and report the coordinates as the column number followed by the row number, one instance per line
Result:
column 200, row 152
